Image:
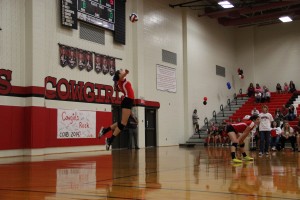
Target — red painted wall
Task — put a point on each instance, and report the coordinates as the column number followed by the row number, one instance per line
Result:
column 36, row 127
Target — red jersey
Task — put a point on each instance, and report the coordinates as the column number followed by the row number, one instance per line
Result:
column 240, row 127
column 126, row 88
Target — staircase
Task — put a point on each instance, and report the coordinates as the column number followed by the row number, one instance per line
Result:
column 235, row 105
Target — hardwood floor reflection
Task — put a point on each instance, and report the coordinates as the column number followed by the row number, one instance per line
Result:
column 154, row 173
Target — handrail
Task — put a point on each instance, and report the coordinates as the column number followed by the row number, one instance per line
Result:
column 241, row 92
column 222, row 109
column 215, row 115
column 206, row 122
column 229, row 104
column 235, row 98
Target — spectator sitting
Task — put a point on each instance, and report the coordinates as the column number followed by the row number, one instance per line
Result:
column 278, row 117
column 222, row 132
column 257, row 96
column 217, row 136
column 258, row 88
column 211, row 134
column 292, row 113
column 254, row 111
column 292, row 87
column 251, row 90
column 287, row 133
column 284, row 112
column 275, row 135
column 224, row 136
column 297, row 133
column 263, row 94
column 286, row 88
column 267, row 95
column 258, row 93
column 278, row 88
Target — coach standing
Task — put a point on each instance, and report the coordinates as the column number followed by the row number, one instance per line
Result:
column 265, row 130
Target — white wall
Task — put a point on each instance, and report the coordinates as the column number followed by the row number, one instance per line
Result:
column 245, row 56
column 12, row 45
column 273, row 53
column 163, row 30
column 12, row 39
column 32, row 30
column 208, row 45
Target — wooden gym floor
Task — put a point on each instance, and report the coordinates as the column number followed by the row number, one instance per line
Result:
column 153, row 173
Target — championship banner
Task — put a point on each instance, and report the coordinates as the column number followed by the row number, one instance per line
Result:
column 98, row 63
column 63, row 55
column 81, row 59
column 104, row 63
column 76, row 124
column 88, row 60
column 112, row 66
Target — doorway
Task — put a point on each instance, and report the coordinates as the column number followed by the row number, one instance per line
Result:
column 121, row 141
column 150, row 128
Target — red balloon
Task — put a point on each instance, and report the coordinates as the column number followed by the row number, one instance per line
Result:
column 205, row 98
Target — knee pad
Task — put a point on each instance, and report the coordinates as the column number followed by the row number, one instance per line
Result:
column 234, row 145
column 121, row 126
column 242, row 145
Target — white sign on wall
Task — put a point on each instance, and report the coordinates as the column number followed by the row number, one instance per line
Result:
column 76, row 124
column 166, row 78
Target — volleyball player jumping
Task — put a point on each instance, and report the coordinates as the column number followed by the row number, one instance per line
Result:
column 123, row 85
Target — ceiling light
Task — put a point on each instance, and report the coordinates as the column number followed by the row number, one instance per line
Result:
column 225, row 4
column 285, row 19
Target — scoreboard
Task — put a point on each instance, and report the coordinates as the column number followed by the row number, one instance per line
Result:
column 97, row 12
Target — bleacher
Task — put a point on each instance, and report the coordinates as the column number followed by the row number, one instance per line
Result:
column 244, row 107
column 277, row 101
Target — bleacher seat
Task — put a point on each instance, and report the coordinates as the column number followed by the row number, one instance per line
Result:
column 277, row 100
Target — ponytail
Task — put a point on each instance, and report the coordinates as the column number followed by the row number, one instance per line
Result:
column 254, row 117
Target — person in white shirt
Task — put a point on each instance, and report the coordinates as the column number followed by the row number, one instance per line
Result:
column 265, row 130
column 254, row 111
column 275, row 135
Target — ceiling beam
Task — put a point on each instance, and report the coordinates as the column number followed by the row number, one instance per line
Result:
column 182, row 4
column 247, row 10
column 258, row 18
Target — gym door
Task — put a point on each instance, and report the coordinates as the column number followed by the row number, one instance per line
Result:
column 121, row 141
column 150, row 127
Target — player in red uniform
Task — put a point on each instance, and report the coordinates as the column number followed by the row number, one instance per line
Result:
column 237, row 133
column 124, row 86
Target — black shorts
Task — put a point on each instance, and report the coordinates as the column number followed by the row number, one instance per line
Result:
column 127, row 103
column 230, row 128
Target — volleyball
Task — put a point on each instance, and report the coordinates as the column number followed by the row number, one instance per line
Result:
column 133, row 17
